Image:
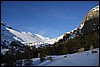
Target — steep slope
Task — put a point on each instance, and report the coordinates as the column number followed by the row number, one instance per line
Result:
column 6, row 36
column 88, row 25
column 94, row 12
column 9, row 34
column 91, row 21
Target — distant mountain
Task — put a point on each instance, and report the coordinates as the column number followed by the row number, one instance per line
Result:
column 9, row 34
column 89, row 24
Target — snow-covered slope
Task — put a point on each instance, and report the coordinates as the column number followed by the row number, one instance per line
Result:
column 52, row 41
column 24, row 37
column 77, row 59
column 9, row 34
column 6, row 36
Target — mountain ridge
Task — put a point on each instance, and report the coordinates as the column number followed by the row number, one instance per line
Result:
column 35, row 39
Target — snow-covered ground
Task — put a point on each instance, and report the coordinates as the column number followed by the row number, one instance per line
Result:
column 3, row 51
column 77, row 59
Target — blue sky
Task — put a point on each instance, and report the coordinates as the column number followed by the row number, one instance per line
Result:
column 47, row 18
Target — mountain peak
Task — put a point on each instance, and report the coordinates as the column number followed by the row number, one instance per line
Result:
column 94, row 12
column 95, row 8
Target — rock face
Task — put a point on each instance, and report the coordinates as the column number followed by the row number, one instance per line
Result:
column 91, row 21
column 94, row 12
column 87, row 26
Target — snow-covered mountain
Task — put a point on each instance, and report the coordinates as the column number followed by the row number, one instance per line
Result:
column 6, row 36
column 9, row 34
